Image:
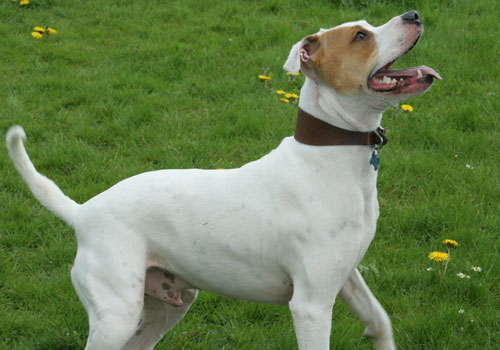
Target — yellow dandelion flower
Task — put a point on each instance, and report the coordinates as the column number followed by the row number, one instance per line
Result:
column 36, row 35
column 24, row 2
column 51, row 31
column 291, row 96
column 264, row 77
column 40, row 30
column 407, row 108
column 280, row 92
column 284, row 100
column 438, row 256
column 294, row 74
column 450, row 243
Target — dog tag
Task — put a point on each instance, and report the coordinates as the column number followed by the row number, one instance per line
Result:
column 375, row 160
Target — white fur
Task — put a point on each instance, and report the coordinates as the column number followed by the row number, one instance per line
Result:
column 289, row 228
column 43, row 188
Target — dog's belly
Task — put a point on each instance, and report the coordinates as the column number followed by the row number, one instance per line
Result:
column 267, row 286
column 242, row 252
column 167, row 287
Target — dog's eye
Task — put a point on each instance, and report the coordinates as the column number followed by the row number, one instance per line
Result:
column 361, row 35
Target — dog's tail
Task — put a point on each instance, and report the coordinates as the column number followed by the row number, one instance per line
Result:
column 44, row 189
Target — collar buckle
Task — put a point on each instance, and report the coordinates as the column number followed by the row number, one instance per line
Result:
column 381, row 138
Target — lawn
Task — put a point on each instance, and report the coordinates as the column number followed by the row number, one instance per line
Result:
column 125, row 87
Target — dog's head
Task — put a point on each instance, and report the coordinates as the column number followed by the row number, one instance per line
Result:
column 354, row 60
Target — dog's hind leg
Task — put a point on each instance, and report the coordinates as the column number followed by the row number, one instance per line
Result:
column 158, row 318
column 109, row 279
column 356, row 294
column 114, row 307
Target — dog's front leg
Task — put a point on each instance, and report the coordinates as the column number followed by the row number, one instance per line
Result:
column 312, row 322
column 311, row 307
column 356, row 294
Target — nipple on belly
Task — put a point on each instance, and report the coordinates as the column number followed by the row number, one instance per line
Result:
column 164, row 286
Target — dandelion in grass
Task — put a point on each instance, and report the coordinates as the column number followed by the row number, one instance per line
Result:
column 24, row 2
column 291, row 96
column 285, row 100
column 407, row 108
column 39, row 32
column 451, row 243
column 439, row 257
column 293, row 74
column 280, row 92
column 476, row 268
column 264, row 77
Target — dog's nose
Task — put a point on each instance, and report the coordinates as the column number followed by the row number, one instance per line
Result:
column 411, row 17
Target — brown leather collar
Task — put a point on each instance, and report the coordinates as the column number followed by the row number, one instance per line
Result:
column 312, row 131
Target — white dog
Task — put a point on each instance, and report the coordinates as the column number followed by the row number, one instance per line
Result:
column 289, row 228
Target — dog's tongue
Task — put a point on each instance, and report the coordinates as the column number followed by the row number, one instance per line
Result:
column 429, row 71
column 410, row 72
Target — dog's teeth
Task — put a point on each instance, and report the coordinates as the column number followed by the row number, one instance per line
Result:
column 419, row 73
column 387, row 80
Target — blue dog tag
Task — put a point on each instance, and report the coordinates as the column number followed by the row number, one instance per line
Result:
column 375, row 160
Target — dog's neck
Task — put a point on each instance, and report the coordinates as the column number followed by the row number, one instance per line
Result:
column 346, row 112
column 315, row 132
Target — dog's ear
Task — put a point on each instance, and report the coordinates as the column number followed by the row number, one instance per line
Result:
column 301, row 53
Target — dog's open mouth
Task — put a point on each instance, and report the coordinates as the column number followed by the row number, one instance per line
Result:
column 402, row 81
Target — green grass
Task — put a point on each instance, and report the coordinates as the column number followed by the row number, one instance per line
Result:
column 130, row 86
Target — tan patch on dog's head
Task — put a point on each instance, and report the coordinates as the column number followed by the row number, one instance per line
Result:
column 344, row 58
